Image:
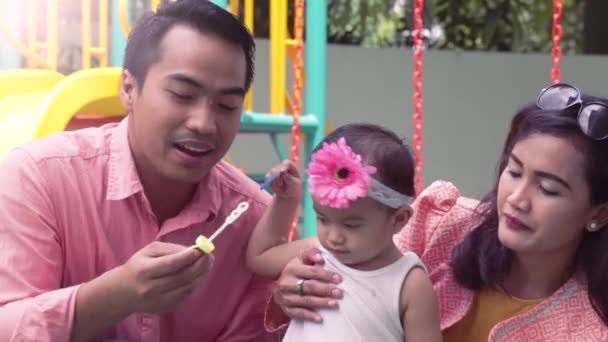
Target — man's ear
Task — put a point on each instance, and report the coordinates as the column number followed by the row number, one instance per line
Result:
column 401, row 217
column 128, row 90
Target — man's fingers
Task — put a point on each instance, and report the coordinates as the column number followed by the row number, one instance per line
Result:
column 307, row 302
column 301, row 313
column 173, row 263
column 312, row 256
column 200, row 268
column 190, row 274
column 176, row 285
column 176, row 295
column 311, row 273
column 321, row 289
column 158, row 249
column 310, row 288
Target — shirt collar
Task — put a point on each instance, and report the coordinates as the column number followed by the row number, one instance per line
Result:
column 124, row 181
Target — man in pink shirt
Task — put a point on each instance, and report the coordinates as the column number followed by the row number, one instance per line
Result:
column 95, row 224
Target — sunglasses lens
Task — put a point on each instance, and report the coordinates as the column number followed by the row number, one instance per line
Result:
column 593, row 120
column 558, row 96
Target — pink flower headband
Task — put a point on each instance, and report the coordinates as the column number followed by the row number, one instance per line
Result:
column 338, row 177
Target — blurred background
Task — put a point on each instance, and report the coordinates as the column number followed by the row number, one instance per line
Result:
column 474, row 63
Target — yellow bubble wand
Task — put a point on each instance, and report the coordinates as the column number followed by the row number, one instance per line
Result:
column 205, row 244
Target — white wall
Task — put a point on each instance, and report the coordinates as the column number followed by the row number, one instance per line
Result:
column 469, row 100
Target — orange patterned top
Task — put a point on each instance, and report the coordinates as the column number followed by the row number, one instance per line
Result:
column 442, row 218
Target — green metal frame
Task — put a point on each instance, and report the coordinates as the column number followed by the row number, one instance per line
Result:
column 313, row 122
column 221, row 3
column 274, row 138
column 315, row 94
column 274, row 124
column 119, row 42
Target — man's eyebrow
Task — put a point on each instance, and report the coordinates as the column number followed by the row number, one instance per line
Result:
column 183, row 78
column 179, row 77
column 233, row 91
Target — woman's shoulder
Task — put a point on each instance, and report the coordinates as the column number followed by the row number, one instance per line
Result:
column 567, row 315
column 442, row 197
column 439, row 212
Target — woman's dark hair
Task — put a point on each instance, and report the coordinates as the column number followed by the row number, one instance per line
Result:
column 480, row 260
column 144, row 44
column 382, row 149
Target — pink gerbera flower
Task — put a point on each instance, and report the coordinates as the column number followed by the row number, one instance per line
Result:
column 337, row 175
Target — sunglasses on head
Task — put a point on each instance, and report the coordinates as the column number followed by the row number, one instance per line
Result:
column 592, row 116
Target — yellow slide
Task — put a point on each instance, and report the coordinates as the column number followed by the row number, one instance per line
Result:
column 36, row 103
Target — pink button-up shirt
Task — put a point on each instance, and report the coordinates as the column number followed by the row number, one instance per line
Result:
column 72, row 207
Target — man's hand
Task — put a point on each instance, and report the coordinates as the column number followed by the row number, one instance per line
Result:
column 318, row 292
column 161, row 275
column 154, row 280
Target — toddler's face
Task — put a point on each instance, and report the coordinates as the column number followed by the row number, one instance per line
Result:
column 360, row 236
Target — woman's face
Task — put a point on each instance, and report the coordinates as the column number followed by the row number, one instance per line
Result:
column 543, row 197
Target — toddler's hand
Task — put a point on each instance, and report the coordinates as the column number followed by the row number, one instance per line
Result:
column 288, row 185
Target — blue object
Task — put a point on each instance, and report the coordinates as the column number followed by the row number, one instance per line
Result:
column 269, row 180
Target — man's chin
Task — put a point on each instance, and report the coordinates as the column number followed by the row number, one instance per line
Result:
column 190, row 176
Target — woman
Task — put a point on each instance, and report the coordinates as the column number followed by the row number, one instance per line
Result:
column 527, row 263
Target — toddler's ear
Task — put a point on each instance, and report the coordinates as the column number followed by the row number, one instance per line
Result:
column 401, row 217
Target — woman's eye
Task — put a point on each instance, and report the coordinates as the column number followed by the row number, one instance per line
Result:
column 514, row 173
column 547, row 190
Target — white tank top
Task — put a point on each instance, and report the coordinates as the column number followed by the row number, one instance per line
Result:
column 369, row 309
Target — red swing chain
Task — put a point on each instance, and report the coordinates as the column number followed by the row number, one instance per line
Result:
column 298, row 82
column 418, row 94
column 556, row 35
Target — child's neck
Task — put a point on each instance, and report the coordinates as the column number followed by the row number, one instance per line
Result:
column 388, row 256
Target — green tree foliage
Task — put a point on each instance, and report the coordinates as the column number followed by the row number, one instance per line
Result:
column 495, row 25
column 491, row 25
column 507, row 25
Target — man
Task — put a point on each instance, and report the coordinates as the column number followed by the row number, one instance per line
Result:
column 96, row 224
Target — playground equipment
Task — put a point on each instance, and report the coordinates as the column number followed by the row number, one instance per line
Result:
column 32, row 101
column 35, row 48
column 34, row 111
column 43, row 53
column 21, row 91
column 48, row 107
